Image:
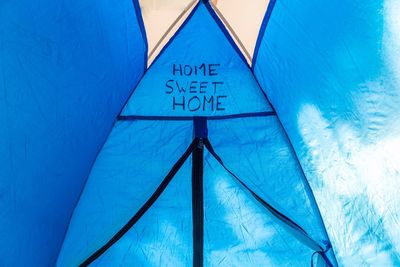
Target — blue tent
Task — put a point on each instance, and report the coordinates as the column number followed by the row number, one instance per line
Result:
column 197, row 152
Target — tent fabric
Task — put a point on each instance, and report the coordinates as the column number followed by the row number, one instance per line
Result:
column 201, row 138
column 124, row 176
column 158, row 111
column 163, row 236
column 251, row 236
column 254, row 158
column 334, row 83
column 66, row 69
column 203, row 82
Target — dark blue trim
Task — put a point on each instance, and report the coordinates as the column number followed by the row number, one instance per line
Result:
column 142, row 29
column 176, row 33
column 225, row 32
column 263, row 27
column 186, row 118
column 262, row 90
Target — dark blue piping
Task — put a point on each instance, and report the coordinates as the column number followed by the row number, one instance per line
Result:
column 261, row 33
column 186, row 118
column 262, row 91
column 225, row 31
column 142, row 29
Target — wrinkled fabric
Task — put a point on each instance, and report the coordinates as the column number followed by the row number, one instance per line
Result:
column 331, row 70
column 163, row 236
column 263, row 159
column 66, row 69
column 327, row 159
column 238, row 232
column 153, row 133
column 126, row 173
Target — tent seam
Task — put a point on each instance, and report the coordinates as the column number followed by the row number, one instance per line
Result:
column 232, row 32
column 263, row 27
column 292, row 224
column 175, row 34
column 140, row 21
column 174, row 23
column 225, row 32
column 145, row 207
column 139, row 18
column 157, row 57
column 305, row 180
column 82, row 190
column 188, row 118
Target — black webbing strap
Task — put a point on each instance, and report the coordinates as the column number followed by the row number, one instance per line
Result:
column 198, row 205
column 160, row 189
column 200, row 131
column 298, row 231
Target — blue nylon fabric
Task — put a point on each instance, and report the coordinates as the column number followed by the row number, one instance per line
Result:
column 262, row 158
column 66, row 69
column 199, row 41
column 238, row 231
column 138, row 154
column 133, row 162
column 163, row 236
column 331, row 70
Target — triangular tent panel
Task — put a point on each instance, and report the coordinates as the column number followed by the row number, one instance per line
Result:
column 198, row 73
